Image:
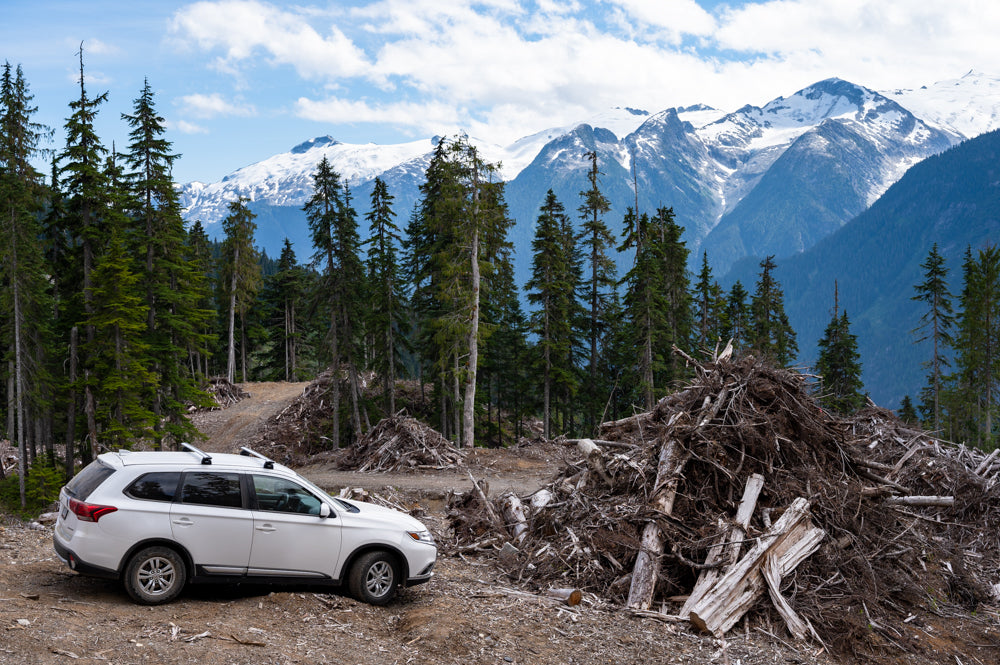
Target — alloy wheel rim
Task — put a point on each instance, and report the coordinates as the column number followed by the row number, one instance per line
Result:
column 156, row 575
column 378, row 581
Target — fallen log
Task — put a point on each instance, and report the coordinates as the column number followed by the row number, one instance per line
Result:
column 668, row 472
column 571, row 597
column 789, row 541
column 797, row 626
column 595, row 459
column 942, row 501
column 513, row 512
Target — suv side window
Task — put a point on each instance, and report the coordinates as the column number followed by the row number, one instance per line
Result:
column 212, row 489
column 284, row 496
column 158, row 486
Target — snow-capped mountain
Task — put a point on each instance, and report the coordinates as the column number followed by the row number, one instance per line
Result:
column 772, row 179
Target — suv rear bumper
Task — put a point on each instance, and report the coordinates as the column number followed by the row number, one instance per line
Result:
column 70, row 558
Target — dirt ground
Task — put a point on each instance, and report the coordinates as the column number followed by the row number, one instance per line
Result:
column 469, row 613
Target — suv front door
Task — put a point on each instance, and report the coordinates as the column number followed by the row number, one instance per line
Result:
column 290, row 539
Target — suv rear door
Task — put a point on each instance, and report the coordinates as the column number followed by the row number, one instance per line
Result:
column 210, row 520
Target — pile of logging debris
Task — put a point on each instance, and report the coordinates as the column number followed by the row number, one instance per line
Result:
column 740, row 493
column 300, row 434
column 401, row 443
column 224, row 392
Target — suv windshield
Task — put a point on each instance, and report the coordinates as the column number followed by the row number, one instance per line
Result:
column 88, row 480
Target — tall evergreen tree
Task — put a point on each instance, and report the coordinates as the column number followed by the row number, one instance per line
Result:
column 935, row 325
column 769, row 331
column 387, row 313
column 173, row 289
column 552, row 289
column 22, row 273
column 977, row 346
column 85, row 185
column 240, row 273
column 599, row 285
column 656, row 302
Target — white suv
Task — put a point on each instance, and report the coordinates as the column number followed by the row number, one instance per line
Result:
column 157, row 520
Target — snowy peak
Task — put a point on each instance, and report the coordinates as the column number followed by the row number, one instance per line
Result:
column 967, row 106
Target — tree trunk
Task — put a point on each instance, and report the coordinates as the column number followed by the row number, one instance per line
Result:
column 231, row 361
column 469, row 414
column 668, row 472
column 74, row 340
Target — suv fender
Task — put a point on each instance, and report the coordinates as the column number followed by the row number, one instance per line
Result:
column 404, row 572
column 162, row 542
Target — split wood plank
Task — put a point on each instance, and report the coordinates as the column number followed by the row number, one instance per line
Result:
column 790, row 540
column 727, row 550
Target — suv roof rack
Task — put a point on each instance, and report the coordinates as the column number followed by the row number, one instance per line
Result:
column 205, row 457
column 247, row 452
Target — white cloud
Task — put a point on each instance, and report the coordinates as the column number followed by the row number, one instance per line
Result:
column 430, row 117
column 243, row 28
column 499, row 67
column 185, row 127
column 210, row 106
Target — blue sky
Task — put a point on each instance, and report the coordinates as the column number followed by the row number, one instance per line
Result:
column 240, row 80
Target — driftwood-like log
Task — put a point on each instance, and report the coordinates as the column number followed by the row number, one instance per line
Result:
column 513, row 511
column 595, row 459
column 942, row 501
column 792, row 538
column 797, row 626
column 727, row 550
column 668, row 471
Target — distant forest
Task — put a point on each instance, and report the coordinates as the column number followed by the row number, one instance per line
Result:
column 115, row 313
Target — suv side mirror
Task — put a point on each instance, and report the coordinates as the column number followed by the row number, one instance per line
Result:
column 324, row 510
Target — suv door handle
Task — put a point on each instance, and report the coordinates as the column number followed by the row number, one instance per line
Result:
column 183, row 521
column 265, row 527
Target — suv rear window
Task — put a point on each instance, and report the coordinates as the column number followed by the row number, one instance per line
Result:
column 159, row 486
column 88, row 480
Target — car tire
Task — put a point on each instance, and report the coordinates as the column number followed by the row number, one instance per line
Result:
column 374, row 578
column 155, row 575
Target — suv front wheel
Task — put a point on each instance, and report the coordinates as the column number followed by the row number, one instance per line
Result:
column 374, row 578
column 155, row 575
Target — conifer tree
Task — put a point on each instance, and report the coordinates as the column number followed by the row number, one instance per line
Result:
column 173, row 289
column 119, row 353
column 321, row 211
column 977, row 346
column 709, row 306
column 553, row 288
column 769, row 331
column 282, row 292
column 839, row 367
column 907, row 413
column 736, row 316
column 599, row 285
column 387, row 313
column 240, row 273
column 85, row 186
column 935, row 325
column 22, row 273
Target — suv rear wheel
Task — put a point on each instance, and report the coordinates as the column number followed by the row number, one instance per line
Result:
column 155, row 575
column 374, row 578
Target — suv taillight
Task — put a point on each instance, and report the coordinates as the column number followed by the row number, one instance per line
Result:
column 89, row 512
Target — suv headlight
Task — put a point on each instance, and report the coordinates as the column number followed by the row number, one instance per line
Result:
column 421, row 536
